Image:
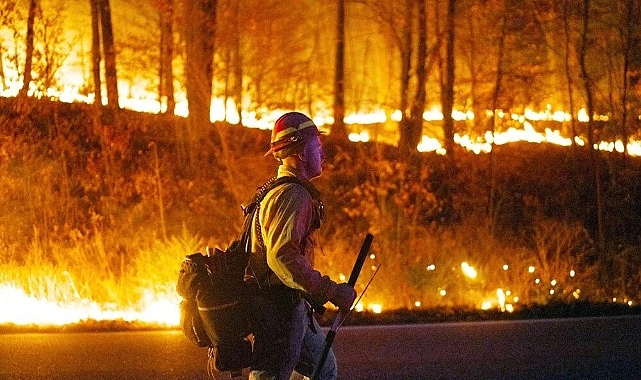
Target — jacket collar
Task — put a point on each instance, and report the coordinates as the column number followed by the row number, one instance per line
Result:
column 287, row 170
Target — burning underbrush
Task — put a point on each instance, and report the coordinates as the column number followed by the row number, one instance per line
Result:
column 68, row 285
column 98, row 214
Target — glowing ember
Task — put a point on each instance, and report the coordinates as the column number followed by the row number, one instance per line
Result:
column 500, row 295
column 468, row 270
column 363, row 136
column 375, row 308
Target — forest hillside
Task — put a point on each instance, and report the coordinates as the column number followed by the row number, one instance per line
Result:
column 106, row 208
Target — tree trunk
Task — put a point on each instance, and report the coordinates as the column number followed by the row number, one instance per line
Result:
column 498, row 81
column 415, row 125
column 476, row 109
column 238, row 66
column 594, row 153
column 3, row 78
column 339, row 129
column 166, row 76
column 226, row 57
column 630, row 41
column 95, row 54
column 406, row 66
column 200, row 22
column 568, row 73
column 447, row 94
column 109, row 53
column 26, row 80
column 634, row 71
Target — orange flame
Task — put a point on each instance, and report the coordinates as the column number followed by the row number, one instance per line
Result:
column 22, row 309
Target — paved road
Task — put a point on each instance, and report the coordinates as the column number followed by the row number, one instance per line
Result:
column 591, row 348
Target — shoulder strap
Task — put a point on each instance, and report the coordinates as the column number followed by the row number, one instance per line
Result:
column 273, row 183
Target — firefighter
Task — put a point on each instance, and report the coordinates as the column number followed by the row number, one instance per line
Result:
column 287, row 337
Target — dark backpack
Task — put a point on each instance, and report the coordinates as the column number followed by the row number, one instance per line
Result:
column 215, row 310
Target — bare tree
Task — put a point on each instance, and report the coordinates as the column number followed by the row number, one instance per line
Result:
column 418, row 105
column 3, row 77
column 405, row 46
column 471, row 56
column 102, row 36
column 447, row 90
column 33, row 6
column 411, row 129
column 7, row 15
column 630, row 36
column 109, row 53
column 165, row 70
column 498, row 81
column 338, row 129
column 397, row 27
column 199, row 19
column 406, row 26
column 594, row 153
column 54, row 47
column 229, row 58
column 568, row 70
column 277, row 41
column 238, row 67
column 96, row 55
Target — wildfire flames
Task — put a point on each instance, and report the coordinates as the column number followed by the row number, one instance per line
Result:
column 22, row 309
column 142, row 101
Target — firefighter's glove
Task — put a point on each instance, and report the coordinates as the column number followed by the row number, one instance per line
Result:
column 342, row 295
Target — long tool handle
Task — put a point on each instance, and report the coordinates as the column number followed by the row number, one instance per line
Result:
column 362, row 255
column 329, row 338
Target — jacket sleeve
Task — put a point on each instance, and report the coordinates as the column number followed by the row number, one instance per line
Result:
column 286, row 222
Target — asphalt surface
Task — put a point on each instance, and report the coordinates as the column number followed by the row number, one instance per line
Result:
column 589, row 348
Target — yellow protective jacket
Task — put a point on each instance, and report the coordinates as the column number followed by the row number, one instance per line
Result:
column 286, row 218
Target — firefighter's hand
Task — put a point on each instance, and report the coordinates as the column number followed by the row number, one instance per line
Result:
column 342, row 295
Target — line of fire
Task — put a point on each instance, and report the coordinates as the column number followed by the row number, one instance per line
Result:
column 520, row 185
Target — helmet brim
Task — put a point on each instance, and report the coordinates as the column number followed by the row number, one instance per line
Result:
column 284, row 143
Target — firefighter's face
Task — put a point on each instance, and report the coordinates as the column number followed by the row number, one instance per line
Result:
column 313, row 157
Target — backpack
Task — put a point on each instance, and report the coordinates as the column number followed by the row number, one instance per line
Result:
column 214, row 311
